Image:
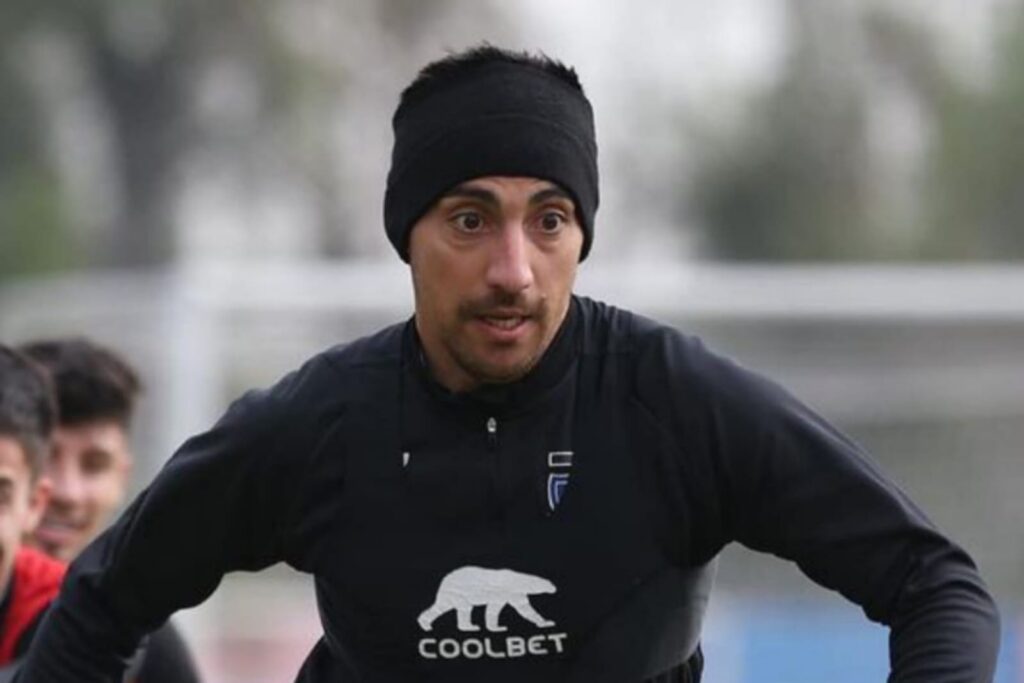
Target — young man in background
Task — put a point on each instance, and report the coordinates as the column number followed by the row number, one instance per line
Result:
column 29, row 580
column 89, row 467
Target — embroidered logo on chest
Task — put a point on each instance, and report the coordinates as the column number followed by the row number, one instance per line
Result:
column 559, row 468
column 469, row 587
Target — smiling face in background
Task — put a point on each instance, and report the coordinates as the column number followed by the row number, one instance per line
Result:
column 89, row 468
column 493, row 265
column 90, row 461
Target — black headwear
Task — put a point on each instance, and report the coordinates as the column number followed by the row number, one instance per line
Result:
column 502, row 118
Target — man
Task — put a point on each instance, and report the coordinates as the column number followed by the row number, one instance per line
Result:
column 89, row 466
column 90, row 462
column 29, row 580
column 517, row 484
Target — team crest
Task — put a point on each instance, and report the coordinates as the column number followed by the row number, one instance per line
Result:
column 559, row 466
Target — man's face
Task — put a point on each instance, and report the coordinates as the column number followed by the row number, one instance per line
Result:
column 21, row 503
column 89, row 468
column 493, row 265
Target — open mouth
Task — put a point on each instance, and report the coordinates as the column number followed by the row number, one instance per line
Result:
column 504, row 323
column 58, row 530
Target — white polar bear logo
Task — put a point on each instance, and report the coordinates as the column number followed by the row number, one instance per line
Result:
column 465, row 587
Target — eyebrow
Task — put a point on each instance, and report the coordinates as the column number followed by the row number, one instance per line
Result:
column 550, row 193
column 488, row 197
column 98, row 452
column 460, row 191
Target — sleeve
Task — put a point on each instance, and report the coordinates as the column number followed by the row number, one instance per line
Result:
column 28, row 635
column 217, row 506
column 778, row 478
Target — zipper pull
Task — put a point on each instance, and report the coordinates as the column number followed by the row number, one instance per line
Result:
column 492, row 432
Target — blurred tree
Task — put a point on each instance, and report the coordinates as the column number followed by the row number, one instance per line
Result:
column 801, row 180
column 793, row 184
column 145, row 63
column 32, row 229
column 139, row 77
column 976, row 191
column 248, row 96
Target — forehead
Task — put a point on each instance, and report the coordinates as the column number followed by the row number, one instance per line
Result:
column 105, row 435
column 508, row 188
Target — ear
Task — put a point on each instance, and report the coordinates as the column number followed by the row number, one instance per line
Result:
column 38, row 499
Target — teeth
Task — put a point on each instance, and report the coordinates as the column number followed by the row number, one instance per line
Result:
column 504, row 323
column 57, row 524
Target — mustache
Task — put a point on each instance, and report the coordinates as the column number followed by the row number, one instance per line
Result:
column 503, row 303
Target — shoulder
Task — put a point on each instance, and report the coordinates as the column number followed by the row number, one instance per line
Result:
column 328, row 382
column 38, row 571
column 383, row 349
column 670, row 371
column 340, row 368
column 608, row 329
column 35, row 582
column 651, row 345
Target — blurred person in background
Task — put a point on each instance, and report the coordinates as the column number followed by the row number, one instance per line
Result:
column 89, row 467
column 29, row 579
column 518, row 483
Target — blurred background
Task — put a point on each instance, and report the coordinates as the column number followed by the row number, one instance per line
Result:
column 830, row 192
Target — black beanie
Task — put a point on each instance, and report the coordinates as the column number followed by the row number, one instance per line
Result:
column 501, row 119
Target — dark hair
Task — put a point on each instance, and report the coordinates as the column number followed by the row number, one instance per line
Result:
column 456, row 65
column 28, row 412
column 92, row 382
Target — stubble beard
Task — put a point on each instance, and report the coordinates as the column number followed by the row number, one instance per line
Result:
column 474, row 364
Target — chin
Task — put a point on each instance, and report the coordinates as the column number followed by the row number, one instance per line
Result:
column 505, row 373
column 57, row 552
column 68, row 551
column 502, row 378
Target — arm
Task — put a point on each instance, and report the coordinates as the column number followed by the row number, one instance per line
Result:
column 8, row 672
column 167, row 659
column 779, row 479
column 217, row 506
column 822, row 503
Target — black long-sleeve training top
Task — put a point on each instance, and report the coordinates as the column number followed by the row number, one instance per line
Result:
column 559, row 528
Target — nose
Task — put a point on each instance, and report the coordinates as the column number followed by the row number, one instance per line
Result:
column 510, row 269
column 67, row 484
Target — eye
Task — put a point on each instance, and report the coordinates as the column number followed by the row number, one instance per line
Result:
column 551, row 221
column 468, row 221
column 96, row 461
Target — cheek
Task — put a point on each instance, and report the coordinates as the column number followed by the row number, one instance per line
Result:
column 559, row 274
column 11, row 523
column 105, row 493
column 439, row 287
